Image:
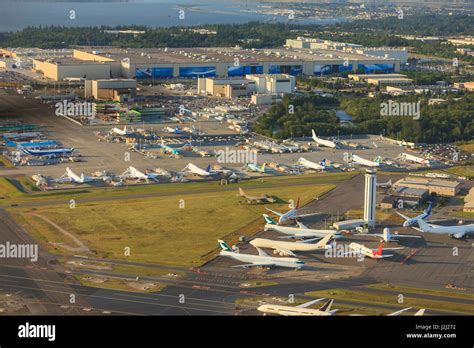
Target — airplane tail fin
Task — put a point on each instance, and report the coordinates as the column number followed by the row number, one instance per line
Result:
column 224, row 246
column 297, row 203
column 378, row 252
column 314, row 134
column 269, row 220
column 327, row 306
column 263, row 167
column 323, row 163
column 323, row 242
column 208, row 168
column 241, row 192
column 428, row 210
column 421, row 312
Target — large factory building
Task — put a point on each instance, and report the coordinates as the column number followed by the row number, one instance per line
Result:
column 162, row 63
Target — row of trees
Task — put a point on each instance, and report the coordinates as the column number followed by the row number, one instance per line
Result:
column 446, row 122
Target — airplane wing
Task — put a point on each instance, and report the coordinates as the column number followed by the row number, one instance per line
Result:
column 403, row 216
column 261, row 252
column 405, row 236
column 275, row 212
column 383, row 256
column 285, row 251
column 257, row 264
column 397, row 313
column 307, row 304
column 303, row 215
column 300, row 224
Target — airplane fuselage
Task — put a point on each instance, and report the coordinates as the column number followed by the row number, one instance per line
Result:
column 288, row 262
column 291, row 311
column 297, row 231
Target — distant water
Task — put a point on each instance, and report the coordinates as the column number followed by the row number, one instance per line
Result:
column 16, row 15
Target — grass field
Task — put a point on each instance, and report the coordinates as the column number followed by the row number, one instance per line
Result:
column 158, row 230
column 406, row 289
column 408, row 301
column 15, row 196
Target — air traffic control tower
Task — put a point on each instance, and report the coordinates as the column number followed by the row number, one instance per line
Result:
column 370, row 199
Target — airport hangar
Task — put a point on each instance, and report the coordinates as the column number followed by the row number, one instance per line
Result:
column 162, row 63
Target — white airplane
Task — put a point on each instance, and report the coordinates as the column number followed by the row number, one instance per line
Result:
column 387, row 184
column 372, row 253
column 119, row 131
column 134, row 173
column 194, row 169
column 365, row 162
column 175, row 130
column 389, row 237
column 286, row 248
column 411, row 221
column 415, row 159
column 70, row 176
column 420, row 312
column 290, row 214
column 323, row 142
column 312, row 165
column 260, row 260
column 300, row 310
column 456, row 232
column 297, row 232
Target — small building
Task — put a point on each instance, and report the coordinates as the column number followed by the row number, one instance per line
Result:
column 120, row 90
column 433, row 185
column 469, row 202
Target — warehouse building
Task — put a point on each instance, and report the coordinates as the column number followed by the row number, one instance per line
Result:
column 469, row 202
column 120, row 90
column 163, row 63
column 438, row 186
column 408, row 196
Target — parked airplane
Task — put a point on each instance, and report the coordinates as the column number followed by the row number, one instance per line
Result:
column 22, row 136
column 258, row 199
column 70, row 176
column 48, row 152
column 372, row 253
column 387, row 184
column 389, row 237
column 169, row 149
column 420, row 312
column 297, row 232
column 33, row 144
column 286, row 248
column 124, row 131
column 411, row 221
column 365, row 162
column 175, row 130
column 312, row 165
column 456, row 232
column 194, row 169
column 293, row 213
column 260, row 260
column 300, row 310
column 323, row 142
column 134, row 173
column 255, row 168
